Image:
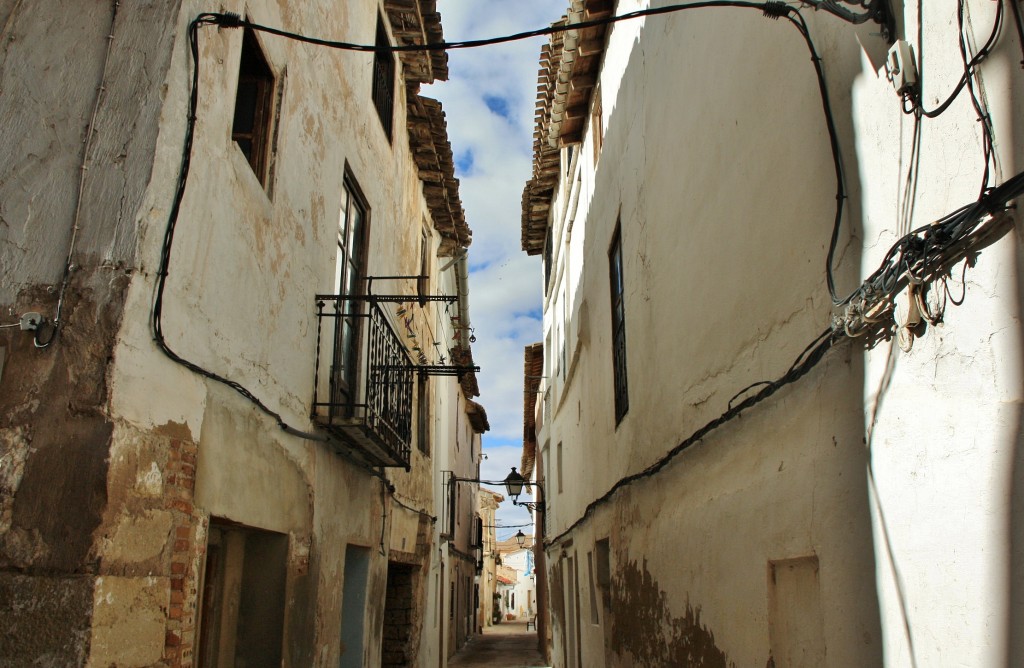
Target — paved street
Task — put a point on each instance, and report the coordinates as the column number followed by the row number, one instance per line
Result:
column 506, row 645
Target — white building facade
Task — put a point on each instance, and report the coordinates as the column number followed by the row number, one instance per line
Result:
column 234, row 356
column 743, row 468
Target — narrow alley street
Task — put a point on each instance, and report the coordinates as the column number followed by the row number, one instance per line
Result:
column 506, row 645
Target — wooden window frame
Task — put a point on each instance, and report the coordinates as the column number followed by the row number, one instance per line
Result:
column 253, row 117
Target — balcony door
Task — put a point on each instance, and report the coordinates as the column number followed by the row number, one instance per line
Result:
column 350, row 272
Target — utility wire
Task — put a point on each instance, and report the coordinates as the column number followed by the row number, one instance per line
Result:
column 773, row 9
column 805, row 361
column 231, row 20
column 418, row 511
column 83, row 170
column 202, row 20
column 966, row 219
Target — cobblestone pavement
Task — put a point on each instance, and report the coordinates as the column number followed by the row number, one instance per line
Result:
column 505, row 645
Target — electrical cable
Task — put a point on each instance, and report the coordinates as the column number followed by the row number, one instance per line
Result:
column 231, row 20
column 948, row 238
column 929, row 251
column 205, row 19
column 969, row 64
column 396, row 499
column 929, row 248
column 83, row 169
column 804, row 362
column 773, row 9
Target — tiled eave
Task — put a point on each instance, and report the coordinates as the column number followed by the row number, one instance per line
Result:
column 533, row 368
column 477, row 417
column 464, row 357
column 569, row 65
column 428, row 140
column 418, row 22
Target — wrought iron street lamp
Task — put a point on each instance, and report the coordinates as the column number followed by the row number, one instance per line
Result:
column 514, row 483
column 520, row 537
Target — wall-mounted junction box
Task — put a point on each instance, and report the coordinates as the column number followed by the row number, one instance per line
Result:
column 900, row 68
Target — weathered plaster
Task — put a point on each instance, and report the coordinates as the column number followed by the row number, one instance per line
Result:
column 643, row 625
column 128, row 625
column 120, row 457
column 723, row 189
column 46, row 619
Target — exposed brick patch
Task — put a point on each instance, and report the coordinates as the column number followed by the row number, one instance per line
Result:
column 187, row 552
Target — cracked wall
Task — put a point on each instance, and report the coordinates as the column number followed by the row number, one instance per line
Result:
column 115, row 459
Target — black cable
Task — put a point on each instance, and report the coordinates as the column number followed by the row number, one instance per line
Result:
column 909, row 253
column 988, row 142
column 205, row 19
column 805, row 361
column 924, row 251
column 969, row 64
column 774, row 9
column 930, row 250
column 918, row 252
column 229, row 20
column 418, row 511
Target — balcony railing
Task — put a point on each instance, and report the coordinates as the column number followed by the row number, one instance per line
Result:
column 363, row 382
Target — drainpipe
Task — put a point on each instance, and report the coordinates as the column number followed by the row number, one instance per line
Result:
column 462, row 281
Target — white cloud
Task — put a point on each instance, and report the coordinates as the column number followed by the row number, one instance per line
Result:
column 505, row 285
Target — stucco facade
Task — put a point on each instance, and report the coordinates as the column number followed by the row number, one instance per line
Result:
column 487, row 504
column 220, row 511
column 864, row 509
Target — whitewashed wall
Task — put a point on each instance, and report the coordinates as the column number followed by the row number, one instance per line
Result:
column 716, row 161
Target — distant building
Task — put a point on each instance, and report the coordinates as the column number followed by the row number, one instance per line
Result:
column 751, row 460
column 227, row 404
column 521, row 600
column 487, row 504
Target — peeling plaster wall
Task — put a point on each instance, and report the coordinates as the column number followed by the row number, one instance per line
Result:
column 895, row 471
column 116, row 460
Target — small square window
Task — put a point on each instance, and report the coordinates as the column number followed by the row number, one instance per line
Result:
column 251, row 127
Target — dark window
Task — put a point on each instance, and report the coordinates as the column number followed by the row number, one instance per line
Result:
column 597, row 125
column 423, row 282
column 384, row 78
column 350, row 272
column 423, row 415
column 549, row 253
column 618, row 327
column 253, row 105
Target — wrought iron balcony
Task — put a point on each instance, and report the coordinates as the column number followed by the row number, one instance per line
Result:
column 363, row 382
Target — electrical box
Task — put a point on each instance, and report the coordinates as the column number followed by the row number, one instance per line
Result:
column 30, row 321
column 900, row 68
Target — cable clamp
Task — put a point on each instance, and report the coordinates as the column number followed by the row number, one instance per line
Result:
column 775, row 9
column 229, row 20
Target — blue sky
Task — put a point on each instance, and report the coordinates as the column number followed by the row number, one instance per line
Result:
column 489, row 101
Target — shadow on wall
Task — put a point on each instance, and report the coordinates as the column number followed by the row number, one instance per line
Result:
column 722, row 165
column 1015, row 559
